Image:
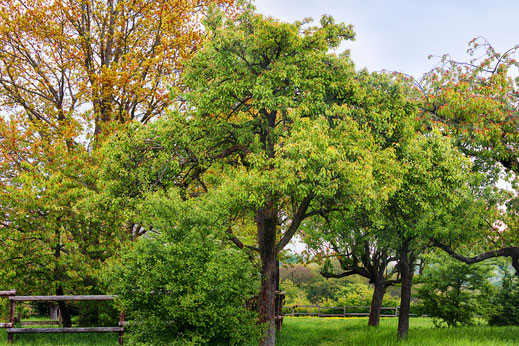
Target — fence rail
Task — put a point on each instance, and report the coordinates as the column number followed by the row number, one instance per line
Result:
column 346, row 311
column 13, row 299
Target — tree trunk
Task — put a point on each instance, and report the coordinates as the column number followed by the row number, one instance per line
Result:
column 266, row 221
column 406, row 271
column 53, row 312
column 65, row 316
column 376, row 304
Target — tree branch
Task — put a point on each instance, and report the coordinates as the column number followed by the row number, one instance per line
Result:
column 296, row 221
column 512, row 252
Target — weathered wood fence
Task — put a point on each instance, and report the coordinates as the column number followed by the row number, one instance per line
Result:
column 324, row 311
column 13, row 320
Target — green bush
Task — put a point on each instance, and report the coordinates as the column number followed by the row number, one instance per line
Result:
column 188, row 291
column 4, row 309
column 506, row 303
column 453, row 292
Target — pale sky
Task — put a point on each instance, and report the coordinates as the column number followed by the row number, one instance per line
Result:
column 398, row 35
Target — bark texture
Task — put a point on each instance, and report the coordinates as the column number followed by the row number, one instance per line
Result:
column 266, row 221
column 406, row 270
column 376, row 304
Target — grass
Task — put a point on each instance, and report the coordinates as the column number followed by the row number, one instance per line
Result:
column 354, row 331
column 325, row 332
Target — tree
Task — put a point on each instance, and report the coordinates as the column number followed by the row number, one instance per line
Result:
column 427, row 203
column 269, row 121
column 453, row 292
column 477, row 103
column 358, row 253
column 70, row 72
column 95, row 60
column 271, row 93
column 351, row 234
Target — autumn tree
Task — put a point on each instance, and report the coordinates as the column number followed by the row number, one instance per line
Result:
column 70, row 72
column 476, row 102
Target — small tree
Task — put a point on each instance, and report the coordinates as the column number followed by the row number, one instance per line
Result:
column 453, row 292
column 506, row 302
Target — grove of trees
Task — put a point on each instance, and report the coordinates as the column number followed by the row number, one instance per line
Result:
column 168, row 152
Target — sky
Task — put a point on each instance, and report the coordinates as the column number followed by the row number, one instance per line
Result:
column 399, row 35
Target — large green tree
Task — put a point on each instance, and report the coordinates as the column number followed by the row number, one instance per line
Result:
column 272, row 93
column 273, row 119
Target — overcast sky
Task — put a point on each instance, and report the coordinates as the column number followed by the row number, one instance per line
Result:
column 398, row 35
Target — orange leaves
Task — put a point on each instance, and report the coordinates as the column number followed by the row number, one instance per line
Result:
column 73, row 55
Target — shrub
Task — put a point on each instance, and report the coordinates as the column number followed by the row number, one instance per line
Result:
column 506, row 303
column 452, row 292
column 185, row 291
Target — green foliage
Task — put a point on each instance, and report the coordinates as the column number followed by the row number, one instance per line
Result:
column 189, row 291
column 183, row 282
column 452, row 292
column 506, row 302
column 4, row 309
column 294, row 295
column 53, row 233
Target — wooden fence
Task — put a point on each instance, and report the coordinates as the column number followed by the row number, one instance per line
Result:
column 13, row 320
column 324, row 311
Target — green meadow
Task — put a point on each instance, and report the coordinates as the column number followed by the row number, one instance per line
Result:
column 327, row 332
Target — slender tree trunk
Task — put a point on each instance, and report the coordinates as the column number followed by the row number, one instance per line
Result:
column 67, row 322
column 53, row 312
column 266, row 221
column 65, row 315
column 376, row 304
column 406, row 271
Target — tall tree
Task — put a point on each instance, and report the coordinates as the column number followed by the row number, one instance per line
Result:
column 269, row 120
column 70, row 71
column 271, row 93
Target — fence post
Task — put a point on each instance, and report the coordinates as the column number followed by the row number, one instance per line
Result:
column 12, row 308
column 343, row 311
column 121, row 324
column 396, row 311
column 293, row 310
column 319, row 312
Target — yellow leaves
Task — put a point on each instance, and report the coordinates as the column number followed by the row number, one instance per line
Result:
column 77, row 54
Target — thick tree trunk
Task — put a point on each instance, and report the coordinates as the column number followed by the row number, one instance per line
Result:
column 266, row 221
column 376, row 304
column 406, row 271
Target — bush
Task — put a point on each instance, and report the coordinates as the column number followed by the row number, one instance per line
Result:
column 506, row 303
column 453, row 292
column 4, row 309
column 187, row 291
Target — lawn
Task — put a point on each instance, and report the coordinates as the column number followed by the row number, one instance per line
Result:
column 354, row 331
column 327, row 331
